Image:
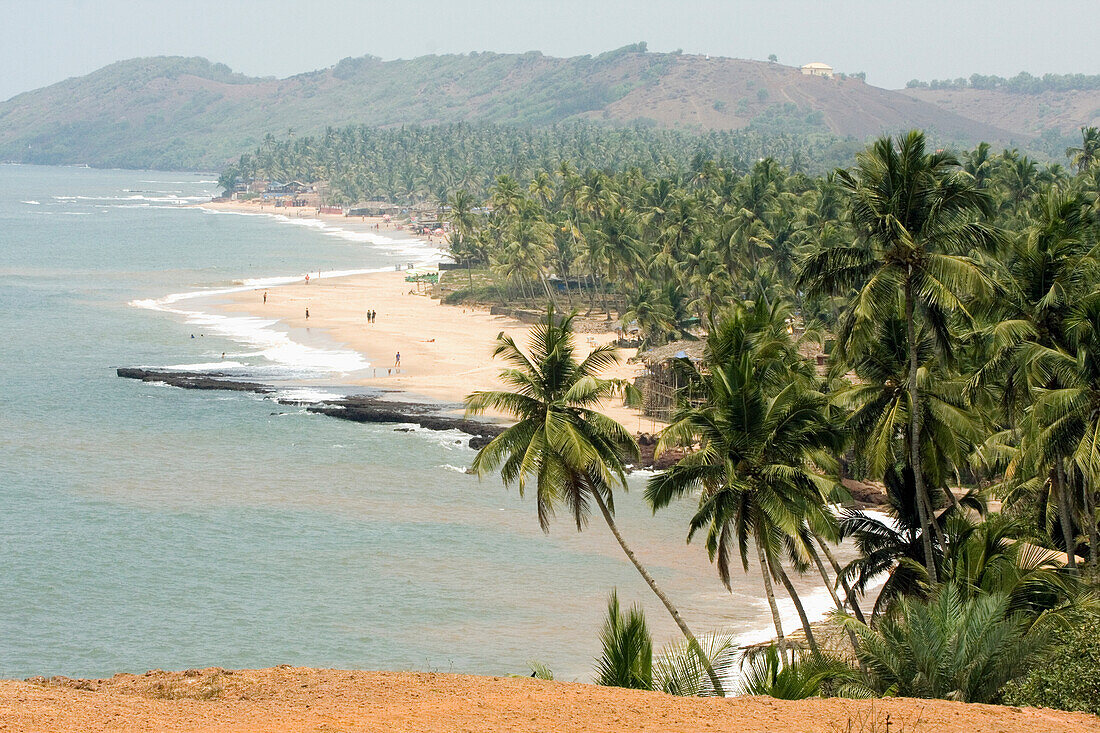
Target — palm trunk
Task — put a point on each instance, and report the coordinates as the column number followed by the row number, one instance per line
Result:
column 693, row 643
column 832, row 592
column 850, row 594
column 934, row 521
column 923, row 505
column 1065, row 513
column 546, row 287
column 765, row 573
column 1090, row 520
column 603, row 297
column 806, row 628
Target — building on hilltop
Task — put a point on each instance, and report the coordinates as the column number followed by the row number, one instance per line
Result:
column 818, row 69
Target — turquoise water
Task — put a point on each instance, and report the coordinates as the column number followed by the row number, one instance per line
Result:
column 144, row 527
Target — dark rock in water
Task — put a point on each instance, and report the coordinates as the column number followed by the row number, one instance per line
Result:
column 374, row 410
column 480, row 441
column 193, row 380
column 361, row 408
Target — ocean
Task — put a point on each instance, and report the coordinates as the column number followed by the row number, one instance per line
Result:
column 144, row 526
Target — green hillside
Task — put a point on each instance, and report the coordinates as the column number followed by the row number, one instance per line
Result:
column 174, row 112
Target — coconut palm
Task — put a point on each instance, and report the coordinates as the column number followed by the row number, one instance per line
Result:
column 576, row 454
column 915, row 215
column 877, row 405
column 756, row 425
column 1061, row 437
column 1085, row 157
column 993, row 557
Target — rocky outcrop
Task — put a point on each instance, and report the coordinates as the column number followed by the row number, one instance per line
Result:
column 193, row 380
column 358, row 408
column 375, row 410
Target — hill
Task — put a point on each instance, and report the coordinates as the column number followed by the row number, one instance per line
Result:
column 298, row 699
column 174, row 112
column 1061, row 112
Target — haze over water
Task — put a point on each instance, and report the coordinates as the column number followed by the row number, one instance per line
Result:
column 143, row 526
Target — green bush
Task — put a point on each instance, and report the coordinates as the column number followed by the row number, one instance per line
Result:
column 1069, row 679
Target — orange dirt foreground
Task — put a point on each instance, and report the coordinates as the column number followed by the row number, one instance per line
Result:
column 301, row 699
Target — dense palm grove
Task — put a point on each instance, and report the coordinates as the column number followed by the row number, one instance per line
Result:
column 409, row 164
column 958, row 300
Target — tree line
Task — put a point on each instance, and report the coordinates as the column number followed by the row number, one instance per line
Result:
column 1022, row 83
column 411, row 164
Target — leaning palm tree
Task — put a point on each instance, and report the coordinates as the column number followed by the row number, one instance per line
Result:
column 757, row 427
column 576, row 454
column 915, row 215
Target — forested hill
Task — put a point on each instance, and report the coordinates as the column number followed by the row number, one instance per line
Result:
column 174, row 112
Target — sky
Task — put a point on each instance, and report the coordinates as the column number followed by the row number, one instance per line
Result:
column 46, row 41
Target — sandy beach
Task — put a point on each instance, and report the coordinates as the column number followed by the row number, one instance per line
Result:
column 446, row 351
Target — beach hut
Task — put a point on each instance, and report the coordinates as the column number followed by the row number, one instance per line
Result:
column 661, row 380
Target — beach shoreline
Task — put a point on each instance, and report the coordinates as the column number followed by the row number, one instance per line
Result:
column 445, row 350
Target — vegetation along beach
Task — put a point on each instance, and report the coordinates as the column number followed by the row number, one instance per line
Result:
column 734, row 382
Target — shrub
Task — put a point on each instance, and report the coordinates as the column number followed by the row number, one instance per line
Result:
column 1069, row 679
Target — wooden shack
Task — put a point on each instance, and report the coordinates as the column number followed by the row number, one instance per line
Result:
column 661, row 381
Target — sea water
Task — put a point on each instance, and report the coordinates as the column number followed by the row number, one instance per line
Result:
column 144, row 526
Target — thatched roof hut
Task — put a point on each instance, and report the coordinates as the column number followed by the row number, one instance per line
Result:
column 660, row 381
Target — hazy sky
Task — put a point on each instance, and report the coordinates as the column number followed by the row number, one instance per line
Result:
column 45, row 41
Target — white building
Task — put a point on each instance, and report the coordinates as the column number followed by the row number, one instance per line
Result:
column 818, row 69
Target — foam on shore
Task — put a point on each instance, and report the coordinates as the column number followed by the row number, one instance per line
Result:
column 287, row 358
column 424, row 252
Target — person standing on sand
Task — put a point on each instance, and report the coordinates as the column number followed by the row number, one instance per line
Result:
column 397, row 360
column 265, row 297
column 307, row 278
column 307, row 314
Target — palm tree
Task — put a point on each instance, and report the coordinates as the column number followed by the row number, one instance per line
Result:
column 894, row 547
column 576, row 454
column 1051, row 266
column 463, row 223
column 757, row 426
column 878, row 408
column 1088, row 155
column 993, row 556
column 912, row 212
column 1062, row 434
column 951, row 646
column 626, row 659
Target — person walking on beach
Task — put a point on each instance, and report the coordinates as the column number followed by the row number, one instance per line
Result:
column 307, row 314
column 373, row 316
column 265, row 297
column 307, row 278
column 397, row 360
